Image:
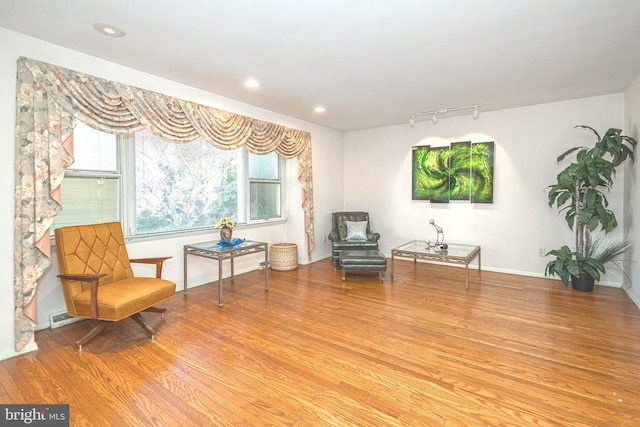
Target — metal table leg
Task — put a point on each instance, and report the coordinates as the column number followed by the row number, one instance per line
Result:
column 220, row 282
column 184, row 263
column 393, row 263
column 266, row 268
column 467, row 282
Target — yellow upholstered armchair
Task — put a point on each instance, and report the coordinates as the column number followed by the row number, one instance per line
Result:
column 97, row 279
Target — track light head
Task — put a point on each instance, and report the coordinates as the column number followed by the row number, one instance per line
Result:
column 435, row 113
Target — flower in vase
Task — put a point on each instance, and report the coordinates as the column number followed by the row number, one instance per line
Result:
column 225, row 222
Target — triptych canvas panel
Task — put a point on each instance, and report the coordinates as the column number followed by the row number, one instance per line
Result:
column 462, row 171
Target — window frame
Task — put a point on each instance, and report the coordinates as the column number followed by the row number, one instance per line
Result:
column 125, row 174
column 279, row 180
column 126, row 146
column 71, row 173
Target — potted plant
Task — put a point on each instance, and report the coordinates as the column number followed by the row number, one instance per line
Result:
column 579, row 192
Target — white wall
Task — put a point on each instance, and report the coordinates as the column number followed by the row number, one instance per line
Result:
column 327, row 144
column 519, row 222
column 632, row 191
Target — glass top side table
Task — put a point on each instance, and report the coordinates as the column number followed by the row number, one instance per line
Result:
column 214, row 251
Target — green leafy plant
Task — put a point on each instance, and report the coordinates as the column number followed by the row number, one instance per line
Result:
column 597, row 254
column 580, row 193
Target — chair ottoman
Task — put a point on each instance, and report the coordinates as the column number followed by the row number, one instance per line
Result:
column 363, row 260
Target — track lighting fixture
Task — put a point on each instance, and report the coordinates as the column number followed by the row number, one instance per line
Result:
column 435, row 113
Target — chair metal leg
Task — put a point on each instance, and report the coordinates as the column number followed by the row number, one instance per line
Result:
column 162, row 311
column 140, row 321
column 92, row 333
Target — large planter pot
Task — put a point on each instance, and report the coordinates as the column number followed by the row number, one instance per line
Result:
column 584, row 283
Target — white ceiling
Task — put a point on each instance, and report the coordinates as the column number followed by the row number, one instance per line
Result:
column 369, row 62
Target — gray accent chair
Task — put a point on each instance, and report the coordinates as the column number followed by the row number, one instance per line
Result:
column 338, row 235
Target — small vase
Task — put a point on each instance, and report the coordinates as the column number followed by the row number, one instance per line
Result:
column 226, row 233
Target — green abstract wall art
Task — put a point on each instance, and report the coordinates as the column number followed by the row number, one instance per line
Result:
column 461, row 171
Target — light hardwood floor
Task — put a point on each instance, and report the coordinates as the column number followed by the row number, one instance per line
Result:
column 314, row 351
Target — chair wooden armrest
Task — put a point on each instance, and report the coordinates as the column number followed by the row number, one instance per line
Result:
column 93, row 280
column 157, row 261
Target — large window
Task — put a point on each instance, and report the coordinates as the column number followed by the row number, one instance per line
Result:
column 91, row 189
column 154, row 186
column 264, row 186
column 183, row 186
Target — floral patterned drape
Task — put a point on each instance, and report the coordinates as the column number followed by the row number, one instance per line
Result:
column 50, row 98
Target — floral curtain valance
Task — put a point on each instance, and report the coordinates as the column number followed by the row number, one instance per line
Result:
column 50, row 98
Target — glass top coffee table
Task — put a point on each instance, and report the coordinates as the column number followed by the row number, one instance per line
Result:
column 454, row 254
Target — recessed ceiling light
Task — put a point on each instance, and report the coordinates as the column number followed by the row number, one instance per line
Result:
column 252, row 83
column 109, row 30
column 319, row 109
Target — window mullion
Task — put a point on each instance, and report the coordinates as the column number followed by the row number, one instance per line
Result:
column 243, row 189
column 126, row 164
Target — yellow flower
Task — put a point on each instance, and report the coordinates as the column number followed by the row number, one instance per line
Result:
column 225, row 222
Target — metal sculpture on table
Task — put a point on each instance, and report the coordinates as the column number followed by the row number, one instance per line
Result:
column 439, row 243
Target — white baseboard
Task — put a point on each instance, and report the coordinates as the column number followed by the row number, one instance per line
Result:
column 631, row 296
column 31, row 346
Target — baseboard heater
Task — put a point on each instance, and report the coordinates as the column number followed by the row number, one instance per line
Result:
column 60, row 319
column 262, row 264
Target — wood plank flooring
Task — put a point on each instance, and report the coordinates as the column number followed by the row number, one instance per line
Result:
column 418, row 350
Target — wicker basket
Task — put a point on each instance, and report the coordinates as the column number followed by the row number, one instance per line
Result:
column 284, row 256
